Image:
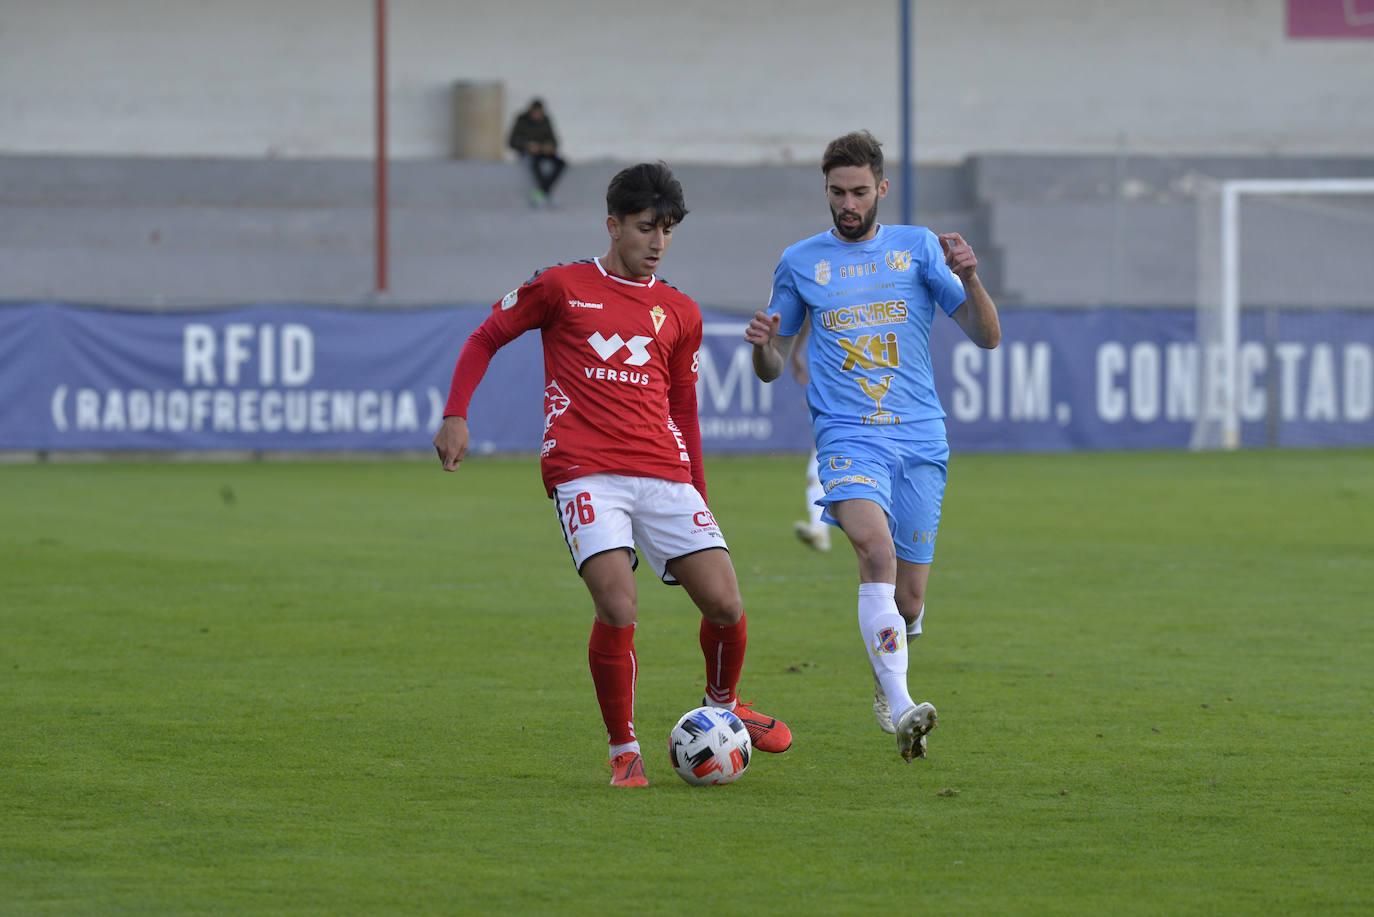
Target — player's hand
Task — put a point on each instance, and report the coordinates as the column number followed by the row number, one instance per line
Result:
column 451, row 442
column 762, row 329
column 958, row 254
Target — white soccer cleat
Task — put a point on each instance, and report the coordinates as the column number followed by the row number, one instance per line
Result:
column 912, row 729
column 881, row 711
column 816, row 535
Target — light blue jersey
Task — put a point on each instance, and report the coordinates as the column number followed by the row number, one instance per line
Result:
column 870, row 306
column 879, row 425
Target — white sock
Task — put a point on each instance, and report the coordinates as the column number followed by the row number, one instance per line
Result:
column 913, row 629
column 621, row 749
column 814, row 491
column 884, row 636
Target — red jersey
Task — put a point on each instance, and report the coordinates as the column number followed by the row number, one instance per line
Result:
column 620, row 372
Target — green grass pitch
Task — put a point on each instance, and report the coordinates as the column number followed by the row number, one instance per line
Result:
column 361, row 688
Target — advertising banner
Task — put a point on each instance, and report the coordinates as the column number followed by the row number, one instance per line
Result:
column 305, row 378
column 1331, row 19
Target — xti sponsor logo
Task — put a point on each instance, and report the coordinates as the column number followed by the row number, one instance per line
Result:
column 870, row 351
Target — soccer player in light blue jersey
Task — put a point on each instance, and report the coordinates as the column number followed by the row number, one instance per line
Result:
column 868, row 293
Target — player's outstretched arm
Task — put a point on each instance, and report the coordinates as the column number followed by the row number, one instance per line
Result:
column 771, row 350
column 978, row 315
column 451, row 442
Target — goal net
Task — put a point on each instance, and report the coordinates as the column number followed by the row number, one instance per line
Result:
column 1285, row 313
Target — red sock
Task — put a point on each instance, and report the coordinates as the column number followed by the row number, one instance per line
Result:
column 611, row 656
column 723, row 648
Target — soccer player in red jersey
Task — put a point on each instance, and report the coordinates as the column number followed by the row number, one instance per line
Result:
column 622, row 448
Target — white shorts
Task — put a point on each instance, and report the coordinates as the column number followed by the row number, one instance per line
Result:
column 665, row 519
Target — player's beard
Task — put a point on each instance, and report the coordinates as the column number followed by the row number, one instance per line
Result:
column 866, row 221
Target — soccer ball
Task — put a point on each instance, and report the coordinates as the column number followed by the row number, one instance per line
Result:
column 709, row 745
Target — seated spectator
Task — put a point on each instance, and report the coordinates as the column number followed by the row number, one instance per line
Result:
column 533, row 138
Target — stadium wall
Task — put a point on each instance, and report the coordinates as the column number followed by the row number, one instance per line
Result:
column 713, row 81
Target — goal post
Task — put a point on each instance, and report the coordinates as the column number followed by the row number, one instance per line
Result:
column 1226, row 361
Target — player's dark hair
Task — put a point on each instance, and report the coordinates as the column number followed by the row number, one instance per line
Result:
column 647, row 186
column 857, row 148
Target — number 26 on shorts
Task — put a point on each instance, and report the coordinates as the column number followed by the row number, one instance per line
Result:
column 579, row 511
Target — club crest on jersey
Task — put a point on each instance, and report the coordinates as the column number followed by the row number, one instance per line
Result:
column 822, row 272
column 509, row 299
column 658, row 315
column 555, row 403
column 877, row 391
column 899, row 261
column 888, row 641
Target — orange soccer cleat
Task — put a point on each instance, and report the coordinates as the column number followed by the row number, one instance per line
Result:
column 767, row 733
column 627, row 769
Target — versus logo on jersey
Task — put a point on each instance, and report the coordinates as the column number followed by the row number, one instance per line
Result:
column 899, row 261
column 822, row 272
column 608, row 347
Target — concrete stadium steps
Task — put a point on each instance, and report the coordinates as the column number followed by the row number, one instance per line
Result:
column 1094, row 230
column 1049, row 230
column 190, row 232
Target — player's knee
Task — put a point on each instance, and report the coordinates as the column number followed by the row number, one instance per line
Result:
column 723, row 610
column 617, row 609
column 617, row 615
column 910, row 602
column 877, row 560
